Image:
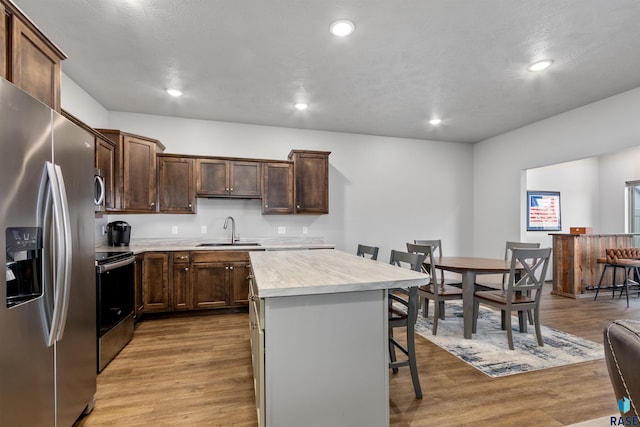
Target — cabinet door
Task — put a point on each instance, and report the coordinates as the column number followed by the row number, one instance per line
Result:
column 212, row 177
column 4, row 42
column 311, row 182
column 210, row 285
column 239, row 286
column 176, row 185
column 138, row 292
column 277, row 188
column 106, row 162
column 139, row 175
column 35, row 66
column 155, row 282
column 181, row 287
column 245, row 179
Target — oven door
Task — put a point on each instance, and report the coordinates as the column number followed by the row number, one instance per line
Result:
column 114, row 294
column 98, row 191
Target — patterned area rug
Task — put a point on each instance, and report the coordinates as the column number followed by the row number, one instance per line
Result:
column 489, row 352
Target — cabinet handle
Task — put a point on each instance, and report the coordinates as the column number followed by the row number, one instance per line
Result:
column 183, row 257
column 298, row 206
column 186, row 269
column 226, row 189
column 231, row 189
column 189, row 204
column 231, row 268
column 153, row 203
column 226, row 268
column 266, row 206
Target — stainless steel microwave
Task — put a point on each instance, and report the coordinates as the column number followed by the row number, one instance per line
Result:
column 98, row 191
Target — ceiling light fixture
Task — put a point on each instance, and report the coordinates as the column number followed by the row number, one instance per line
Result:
column 174, row 92
column 301, row 106
column 342, row 28
column 540, row 65
column 435, row 122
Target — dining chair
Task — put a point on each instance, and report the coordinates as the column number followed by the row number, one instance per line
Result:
column 403, row 313
column 436, row 244
column 436, row 291
column 487, row 286
column 523, row 290
column 370, row 251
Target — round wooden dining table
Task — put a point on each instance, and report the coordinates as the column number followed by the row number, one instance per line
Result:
column 469, row 268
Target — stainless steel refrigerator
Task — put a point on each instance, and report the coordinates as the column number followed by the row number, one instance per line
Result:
column 47, row 297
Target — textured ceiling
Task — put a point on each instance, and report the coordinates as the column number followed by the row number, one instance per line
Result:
column 249, row 61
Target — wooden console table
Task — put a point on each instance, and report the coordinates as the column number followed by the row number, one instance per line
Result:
column 575, row 259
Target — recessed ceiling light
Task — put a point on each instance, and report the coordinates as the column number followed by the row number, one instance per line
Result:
column 342, row 28
column 301, row 106
column 435, row 121
column 174, row 92
column 540, row 65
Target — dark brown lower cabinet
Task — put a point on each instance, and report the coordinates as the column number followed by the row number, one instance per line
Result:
column 155, row 280
column 181, row 298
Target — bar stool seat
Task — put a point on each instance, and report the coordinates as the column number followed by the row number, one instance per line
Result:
column 626, row 258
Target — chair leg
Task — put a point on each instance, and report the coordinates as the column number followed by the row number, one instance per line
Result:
column 507, row 321
column 600, row 282
column 436, row 316
column 536, row 315
column 476, row 310
column 413, row 367
column 441, row 309
column 392, row 350
column 425, row 307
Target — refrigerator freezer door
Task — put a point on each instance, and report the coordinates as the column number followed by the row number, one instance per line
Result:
column 26, row 362
column 76, row 350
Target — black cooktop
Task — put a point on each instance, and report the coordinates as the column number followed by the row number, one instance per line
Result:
column 106, row 257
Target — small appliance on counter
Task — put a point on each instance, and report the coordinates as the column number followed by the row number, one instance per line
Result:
column 118, row 233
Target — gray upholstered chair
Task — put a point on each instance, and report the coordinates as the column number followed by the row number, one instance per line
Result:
column 368, row 251
column 403, row 312
column 523, row 290
column 622, row 352
column 436, row 291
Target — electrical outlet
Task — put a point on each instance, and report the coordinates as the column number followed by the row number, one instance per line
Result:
column 282, row 230
column 174, row 229
column 203, row 229
column 305, row 230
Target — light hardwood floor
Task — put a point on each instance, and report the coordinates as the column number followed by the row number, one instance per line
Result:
column 196, row 371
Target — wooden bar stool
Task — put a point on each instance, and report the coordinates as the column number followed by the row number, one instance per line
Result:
column 626, row 258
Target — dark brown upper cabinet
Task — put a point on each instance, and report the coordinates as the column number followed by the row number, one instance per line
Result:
column 136, row 181
column 219, row 177
column 277, row 188
column 176, row 184
column 311, row 188
column 28, row 58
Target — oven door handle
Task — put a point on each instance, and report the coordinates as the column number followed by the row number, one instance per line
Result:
column 113, row 265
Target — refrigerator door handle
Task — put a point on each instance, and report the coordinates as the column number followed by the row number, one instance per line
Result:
column 59, row 249
column 67, row 255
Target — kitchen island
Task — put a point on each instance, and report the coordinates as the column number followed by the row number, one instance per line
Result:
column 319, row 335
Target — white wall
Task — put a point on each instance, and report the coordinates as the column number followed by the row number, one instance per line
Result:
column 578, row 184
column 78, row 102
column 606, row 126
column 382, row 191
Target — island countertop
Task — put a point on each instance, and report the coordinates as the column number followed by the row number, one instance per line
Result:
column 323, row 271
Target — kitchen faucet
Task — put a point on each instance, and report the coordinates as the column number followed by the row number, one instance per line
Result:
column 233, row 228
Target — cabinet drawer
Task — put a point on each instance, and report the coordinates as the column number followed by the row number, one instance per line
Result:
column 181, row 257
column 220, row 256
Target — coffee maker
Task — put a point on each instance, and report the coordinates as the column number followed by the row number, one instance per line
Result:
column 118, row 233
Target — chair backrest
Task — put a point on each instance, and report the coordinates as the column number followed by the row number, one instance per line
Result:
column 427, row 251
column 528, row 272
column 364, row 250
column 436, row 244
column 436, row 250
column 511, row 245
column 414, row 261
column 507, row 254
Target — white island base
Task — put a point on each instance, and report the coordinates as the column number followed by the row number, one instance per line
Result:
column 321, row 359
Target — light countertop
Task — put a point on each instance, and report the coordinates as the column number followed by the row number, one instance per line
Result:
column 290, row 273
column 191, row 244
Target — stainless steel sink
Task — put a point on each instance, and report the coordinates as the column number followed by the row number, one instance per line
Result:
column 231, row 244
